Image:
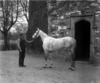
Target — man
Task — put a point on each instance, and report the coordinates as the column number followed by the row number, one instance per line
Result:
column 21, row 46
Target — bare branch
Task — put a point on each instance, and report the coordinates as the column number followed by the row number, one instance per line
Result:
column 12, row 17
column 24, row 4
column 26, row 17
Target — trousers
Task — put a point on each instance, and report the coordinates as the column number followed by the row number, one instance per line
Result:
column 21, row 57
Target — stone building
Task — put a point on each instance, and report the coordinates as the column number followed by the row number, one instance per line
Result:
column 83, row 26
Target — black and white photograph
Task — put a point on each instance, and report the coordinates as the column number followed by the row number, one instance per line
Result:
column 49, row 41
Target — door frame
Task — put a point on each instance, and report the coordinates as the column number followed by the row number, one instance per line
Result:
column 89, row 18
column 76, row 23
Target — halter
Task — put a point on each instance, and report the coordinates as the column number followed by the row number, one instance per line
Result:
column 36, row 34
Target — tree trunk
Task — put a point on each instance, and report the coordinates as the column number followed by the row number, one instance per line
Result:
column 6, row 44
column 37, row 18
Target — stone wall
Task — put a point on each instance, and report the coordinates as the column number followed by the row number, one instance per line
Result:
column 69, row 30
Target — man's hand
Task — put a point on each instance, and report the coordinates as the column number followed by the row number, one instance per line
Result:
column 29, row 41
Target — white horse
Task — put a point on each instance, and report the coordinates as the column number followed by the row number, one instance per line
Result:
column 51, row 44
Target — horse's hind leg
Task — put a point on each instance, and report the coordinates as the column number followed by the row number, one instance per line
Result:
column 72, row 60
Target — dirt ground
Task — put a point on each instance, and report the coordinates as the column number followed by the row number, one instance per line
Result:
column 34, row 72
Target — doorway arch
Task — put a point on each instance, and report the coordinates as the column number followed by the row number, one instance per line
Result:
column 82, row 36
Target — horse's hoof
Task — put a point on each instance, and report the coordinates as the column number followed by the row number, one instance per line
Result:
column 44, row 67
column 72, row 69
column 50, row 66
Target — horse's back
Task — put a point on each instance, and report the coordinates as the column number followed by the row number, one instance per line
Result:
column 51, row 43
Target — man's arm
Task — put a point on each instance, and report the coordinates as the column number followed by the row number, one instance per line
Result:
column 18, row 42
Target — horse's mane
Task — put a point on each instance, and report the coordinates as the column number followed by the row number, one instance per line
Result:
column 43, row 33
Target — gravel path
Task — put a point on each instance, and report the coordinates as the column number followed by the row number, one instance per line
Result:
column 34, row 72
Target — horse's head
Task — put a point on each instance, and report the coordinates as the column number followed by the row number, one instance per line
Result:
column 39, row 33
column 36, row 34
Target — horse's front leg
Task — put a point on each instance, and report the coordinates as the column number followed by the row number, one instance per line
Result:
column 50, row 58
column 46, row 58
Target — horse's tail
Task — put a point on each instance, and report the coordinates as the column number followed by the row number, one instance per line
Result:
column 75, row 45
column 73, row 54
column 74, row 48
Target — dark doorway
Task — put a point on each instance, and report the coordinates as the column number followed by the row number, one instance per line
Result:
column 82, row 36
